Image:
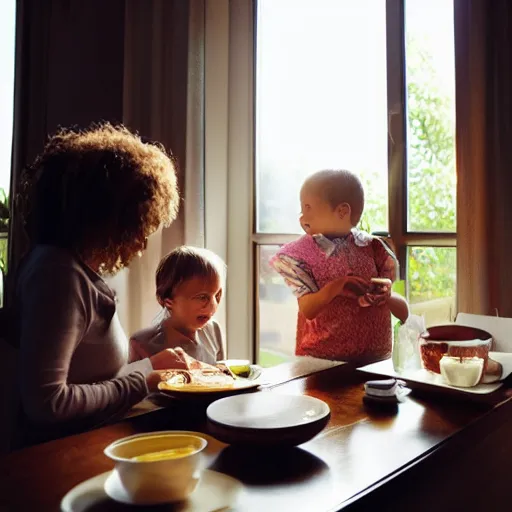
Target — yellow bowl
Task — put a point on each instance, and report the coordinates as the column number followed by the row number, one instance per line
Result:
column 168, row 477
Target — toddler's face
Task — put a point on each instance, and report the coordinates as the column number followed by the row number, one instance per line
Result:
column 194, row 303
column 319, row 217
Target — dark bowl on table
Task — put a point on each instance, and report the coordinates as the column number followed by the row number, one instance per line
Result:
column 267, row 420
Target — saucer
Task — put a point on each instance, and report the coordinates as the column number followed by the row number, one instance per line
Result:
column 215, row 491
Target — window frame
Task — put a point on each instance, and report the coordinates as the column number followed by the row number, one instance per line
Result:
column 237, row 119
column 228, row 161
column 397, row 144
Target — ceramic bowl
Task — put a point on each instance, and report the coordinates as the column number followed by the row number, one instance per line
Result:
column 157, row 481
column 456, row 341
column 240, row 367
column 267, row 419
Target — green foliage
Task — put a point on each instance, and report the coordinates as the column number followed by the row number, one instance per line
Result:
column 431, row 146
column 432, row 176
column 4, row 211
column 268, row 358
column 4, row 226
column 3, row 256
column 431, row 272
column 399, row 287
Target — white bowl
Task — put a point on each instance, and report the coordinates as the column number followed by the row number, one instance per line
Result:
column 461, row 372
column 159, row 481
column 267, row 419
column 241, row 367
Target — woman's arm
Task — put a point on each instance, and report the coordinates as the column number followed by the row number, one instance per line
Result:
column 56, row 312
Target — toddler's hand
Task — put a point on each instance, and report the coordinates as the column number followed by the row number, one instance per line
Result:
column 378, row 295
column 352, row 286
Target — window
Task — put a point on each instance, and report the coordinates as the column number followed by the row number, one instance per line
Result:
column 7, row 29
column 366, row 85
column 294, row 86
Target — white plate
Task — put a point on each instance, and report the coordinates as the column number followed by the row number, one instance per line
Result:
column 215, row 491
column 267, row 411
column 238, row 385
column 424, row 377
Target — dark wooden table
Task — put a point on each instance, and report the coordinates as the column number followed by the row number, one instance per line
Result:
column 433, row 454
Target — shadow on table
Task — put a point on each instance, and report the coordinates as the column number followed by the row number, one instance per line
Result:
column 249, row 466
column 109, row 505
column 270, row 466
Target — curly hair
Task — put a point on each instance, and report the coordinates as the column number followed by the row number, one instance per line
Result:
column 99, row 192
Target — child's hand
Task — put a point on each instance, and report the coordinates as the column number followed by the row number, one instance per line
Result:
column 352, row 287
column 371, row 299
column 378, row 295
column 170, row 359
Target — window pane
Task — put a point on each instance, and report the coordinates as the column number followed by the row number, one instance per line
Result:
column 431, row 281
column 321, row 102
column 7, row 29
column 277, row 312
column 430, row 70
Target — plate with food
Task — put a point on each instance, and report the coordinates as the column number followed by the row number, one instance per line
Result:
column 205, row 380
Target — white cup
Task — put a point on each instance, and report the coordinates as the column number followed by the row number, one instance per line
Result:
column 158, row 481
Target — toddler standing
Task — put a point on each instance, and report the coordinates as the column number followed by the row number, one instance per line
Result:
column 342, row 314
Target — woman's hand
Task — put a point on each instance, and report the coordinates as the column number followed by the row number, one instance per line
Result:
column 168, row 359
column 171, row 359
column 153, row 379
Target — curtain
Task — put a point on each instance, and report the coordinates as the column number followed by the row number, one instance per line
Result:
column 66, row 74
column 139, row 62
column 162, row 99
column 483, row 59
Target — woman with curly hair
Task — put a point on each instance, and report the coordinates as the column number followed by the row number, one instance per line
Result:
column 91, row 200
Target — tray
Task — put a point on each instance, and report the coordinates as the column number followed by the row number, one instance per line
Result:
column 424, row 378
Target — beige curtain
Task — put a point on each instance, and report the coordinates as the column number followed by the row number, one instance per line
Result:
column 139, row 62
column 483, row 46
column 163, row 100
column 66, row 74
column 134, row 61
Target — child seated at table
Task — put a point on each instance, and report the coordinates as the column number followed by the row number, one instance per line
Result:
column 189, row 284
column 342, row 314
